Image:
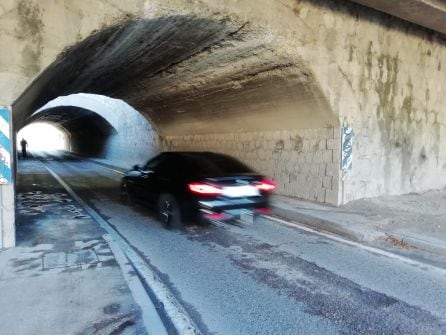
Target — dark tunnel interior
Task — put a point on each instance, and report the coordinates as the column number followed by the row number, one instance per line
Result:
column 89, row 132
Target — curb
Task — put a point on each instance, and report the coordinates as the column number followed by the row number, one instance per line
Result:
column 421, row 244
column 334, row 228
column 317, row 223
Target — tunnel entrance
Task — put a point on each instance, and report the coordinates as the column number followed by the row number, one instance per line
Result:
column 213, row 84
column 44, row 136
column 103, row 127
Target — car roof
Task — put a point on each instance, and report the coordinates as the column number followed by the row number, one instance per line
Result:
column 219, row 159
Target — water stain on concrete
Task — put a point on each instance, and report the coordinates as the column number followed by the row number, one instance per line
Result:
column 112, row 308
column 297, row 143
column 30, row 27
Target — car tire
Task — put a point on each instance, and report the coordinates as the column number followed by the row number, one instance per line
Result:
column 169, row 211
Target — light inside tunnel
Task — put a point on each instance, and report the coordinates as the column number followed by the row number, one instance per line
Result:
column 43, row 136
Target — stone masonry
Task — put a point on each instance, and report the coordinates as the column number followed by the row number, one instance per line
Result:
column 304, row 163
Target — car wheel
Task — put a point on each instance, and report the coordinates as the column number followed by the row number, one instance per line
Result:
column 125, row 196
column 169, row 211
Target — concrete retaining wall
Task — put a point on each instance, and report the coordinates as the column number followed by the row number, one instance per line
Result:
column 304, row 162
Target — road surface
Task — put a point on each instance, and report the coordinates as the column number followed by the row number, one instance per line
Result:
column 267, row 278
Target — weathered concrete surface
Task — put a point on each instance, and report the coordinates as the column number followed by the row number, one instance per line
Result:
column 7, row 226
column 427, row 13
column 63, row 277
column 225, row 67
column 36, row 31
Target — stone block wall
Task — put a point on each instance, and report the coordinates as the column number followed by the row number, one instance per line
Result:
column 304, row 162
column 134, row 143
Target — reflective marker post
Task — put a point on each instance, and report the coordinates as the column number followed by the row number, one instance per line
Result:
column 346, row 154
column 7, row 215
column 5, row 146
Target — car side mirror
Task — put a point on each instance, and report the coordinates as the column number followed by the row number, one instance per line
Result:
column 136, row 167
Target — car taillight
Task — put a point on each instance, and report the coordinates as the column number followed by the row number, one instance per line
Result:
column 266, row 185
column 204, row 189
column 264, row 210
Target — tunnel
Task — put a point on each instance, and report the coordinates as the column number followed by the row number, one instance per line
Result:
column 199, row 84
column 273, row 83
column 56, row 137
column 88, row 131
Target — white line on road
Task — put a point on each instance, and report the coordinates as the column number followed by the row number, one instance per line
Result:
column 177, row 315
column 150, row 315
column 105, row 167
column 373, row 250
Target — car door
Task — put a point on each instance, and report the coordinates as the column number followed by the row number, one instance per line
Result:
column 145, row 180
column 164, row 178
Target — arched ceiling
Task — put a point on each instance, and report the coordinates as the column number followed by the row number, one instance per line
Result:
column 88, row 131
column 187, row 75
column 74, row 119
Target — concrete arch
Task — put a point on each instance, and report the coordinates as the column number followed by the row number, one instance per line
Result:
column 102, row 127
column 184, row 72
column 213, row 84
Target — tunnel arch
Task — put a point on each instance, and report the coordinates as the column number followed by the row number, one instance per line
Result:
column 180, row 70
column 343, row 44
column 102, row 127
column 201, row 81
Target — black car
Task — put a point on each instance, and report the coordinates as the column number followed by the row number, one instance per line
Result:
column 193, row 187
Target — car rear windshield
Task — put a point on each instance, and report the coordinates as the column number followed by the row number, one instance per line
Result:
column 216, row 165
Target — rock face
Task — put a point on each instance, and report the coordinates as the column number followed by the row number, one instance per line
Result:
column 271, row 82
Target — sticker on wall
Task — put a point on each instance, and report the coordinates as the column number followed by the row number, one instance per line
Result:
column 347, row 145
column 5, row 146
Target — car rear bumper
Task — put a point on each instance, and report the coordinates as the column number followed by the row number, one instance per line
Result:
column 229, row 209
column 235, row 203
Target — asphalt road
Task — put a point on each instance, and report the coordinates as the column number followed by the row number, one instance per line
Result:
column 268, row 278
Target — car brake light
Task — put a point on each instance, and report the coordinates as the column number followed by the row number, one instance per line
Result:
column 204, row 189
column 266, row 185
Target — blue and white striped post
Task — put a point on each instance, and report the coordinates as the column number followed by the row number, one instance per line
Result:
column 346, row 155
column 347, row 149
column 5, row 146
column 7, row 213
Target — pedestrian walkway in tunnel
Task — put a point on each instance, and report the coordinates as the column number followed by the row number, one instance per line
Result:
column 62, row 278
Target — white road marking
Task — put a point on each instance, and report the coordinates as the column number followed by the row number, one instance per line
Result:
column 177, row 315
column 105, row 167
column 373, row 250
column 152, row 321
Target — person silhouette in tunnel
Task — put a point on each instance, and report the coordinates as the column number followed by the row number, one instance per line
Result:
column 23, row 144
